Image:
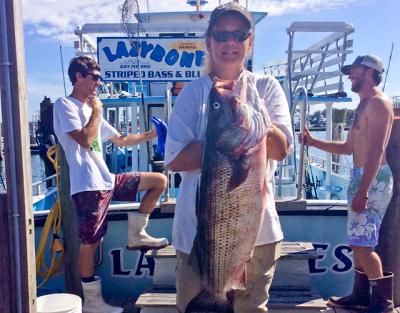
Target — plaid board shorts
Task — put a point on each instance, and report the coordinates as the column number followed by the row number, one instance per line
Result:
column 92, row 206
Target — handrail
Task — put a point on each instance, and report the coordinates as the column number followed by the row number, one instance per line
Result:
column 301, row 91
column 36, row 185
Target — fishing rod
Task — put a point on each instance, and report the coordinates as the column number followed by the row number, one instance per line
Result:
column 387, row 71
column 62, row 69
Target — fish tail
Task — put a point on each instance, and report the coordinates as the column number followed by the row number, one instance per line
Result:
column 206, row 302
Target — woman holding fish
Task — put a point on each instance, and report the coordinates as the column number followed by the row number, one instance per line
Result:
column 226, row 130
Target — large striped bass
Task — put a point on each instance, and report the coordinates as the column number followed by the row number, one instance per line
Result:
column 232, row 195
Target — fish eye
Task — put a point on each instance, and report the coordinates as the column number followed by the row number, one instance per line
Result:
column 216, row 105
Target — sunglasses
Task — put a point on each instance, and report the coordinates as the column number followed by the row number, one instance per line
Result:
column 236, row 35
column 96, row 77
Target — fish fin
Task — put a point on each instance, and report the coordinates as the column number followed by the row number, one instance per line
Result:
column 240, row 171
column 206, row 302
column 241, row 283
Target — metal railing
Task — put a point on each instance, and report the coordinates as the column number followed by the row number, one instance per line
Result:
column 37, row 188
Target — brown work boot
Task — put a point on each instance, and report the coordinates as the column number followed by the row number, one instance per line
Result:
column 359, row 299
column 382, row 294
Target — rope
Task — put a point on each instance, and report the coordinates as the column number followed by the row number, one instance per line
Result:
column 51, row 226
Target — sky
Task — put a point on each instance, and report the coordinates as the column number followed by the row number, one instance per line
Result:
column 49, row 24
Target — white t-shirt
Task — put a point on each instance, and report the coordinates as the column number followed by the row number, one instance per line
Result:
column 87, row 169
column 187, row 124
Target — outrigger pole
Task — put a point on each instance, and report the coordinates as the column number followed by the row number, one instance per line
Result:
column 17, row 247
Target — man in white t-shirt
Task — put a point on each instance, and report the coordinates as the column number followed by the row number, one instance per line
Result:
column 229, row 40
column 81, row 130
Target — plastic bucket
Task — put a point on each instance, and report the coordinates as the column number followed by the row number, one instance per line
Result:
column 59, row 303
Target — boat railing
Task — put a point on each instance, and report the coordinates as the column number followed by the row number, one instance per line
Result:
column 396, row 101
column 321, row 162
column 38, row 187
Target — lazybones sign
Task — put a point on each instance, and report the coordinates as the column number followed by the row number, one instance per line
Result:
column 161, row 59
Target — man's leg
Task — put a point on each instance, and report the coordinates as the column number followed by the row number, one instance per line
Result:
column 92, row 209
column 86, row 259
column 363, row 233
column 368, row 260
column 260, row 271
column 154, row 184
column 127, row 186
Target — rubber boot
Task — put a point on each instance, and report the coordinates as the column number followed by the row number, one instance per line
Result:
column 137, row 235
column 382, row 294
column 94, row 302
column 359, row 299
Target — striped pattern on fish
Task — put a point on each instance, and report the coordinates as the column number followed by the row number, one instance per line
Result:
column 231, row 197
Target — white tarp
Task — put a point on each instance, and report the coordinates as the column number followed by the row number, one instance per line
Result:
column 161, row 59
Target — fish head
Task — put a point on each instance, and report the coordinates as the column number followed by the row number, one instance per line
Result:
column 224, row 113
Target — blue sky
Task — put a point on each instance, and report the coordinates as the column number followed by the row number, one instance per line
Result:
column 50, row 23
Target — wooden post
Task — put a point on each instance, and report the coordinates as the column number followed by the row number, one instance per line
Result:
column 6, row 257
column 389, row 243
column 69, row 229
column 19, row 243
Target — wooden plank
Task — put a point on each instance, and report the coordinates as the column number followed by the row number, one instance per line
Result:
column 20, row 242
column 303, row 250
column 291, row 300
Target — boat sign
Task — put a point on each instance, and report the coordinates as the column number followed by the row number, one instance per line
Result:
column 160, row 59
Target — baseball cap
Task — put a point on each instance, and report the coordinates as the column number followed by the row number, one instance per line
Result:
column 228, row 8
column 368, row 60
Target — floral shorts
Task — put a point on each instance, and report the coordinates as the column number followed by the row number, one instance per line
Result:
column 92, row 206
column 363, row 228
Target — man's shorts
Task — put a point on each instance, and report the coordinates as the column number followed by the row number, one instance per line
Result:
column 363, row 228
column 92, row 206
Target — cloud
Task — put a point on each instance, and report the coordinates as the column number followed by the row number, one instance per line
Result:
column 57, row 20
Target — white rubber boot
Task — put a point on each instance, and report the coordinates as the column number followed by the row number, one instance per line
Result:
column 137, row 235
column 94, row 302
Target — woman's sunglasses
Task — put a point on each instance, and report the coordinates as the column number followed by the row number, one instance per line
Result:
column 224, row 36
column 96, row 77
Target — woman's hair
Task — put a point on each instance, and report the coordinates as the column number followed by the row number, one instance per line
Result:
column 83, row 65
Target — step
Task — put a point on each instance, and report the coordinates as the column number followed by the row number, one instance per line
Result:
column 280, row 302
column 292, row 268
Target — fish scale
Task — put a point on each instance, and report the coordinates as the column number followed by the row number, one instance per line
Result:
column 228, row 221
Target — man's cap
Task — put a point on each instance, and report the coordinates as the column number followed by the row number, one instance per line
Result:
column 368, row 60
column 229, row 8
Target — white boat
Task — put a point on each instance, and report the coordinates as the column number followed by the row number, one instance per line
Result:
column 128, row 274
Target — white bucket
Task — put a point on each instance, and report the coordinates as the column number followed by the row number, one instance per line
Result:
column 59, row 303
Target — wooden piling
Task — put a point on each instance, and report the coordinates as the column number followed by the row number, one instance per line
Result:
column 389, row 243
column 69, row 228
column 17, row 248
column 5, row 257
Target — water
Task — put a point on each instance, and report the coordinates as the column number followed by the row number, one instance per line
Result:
column 38, row 172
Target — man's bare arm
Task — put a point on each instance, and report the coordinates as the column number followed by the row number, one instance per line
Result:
column 337, row 147
column 86, row 135
column 189, row 158
column 133, row 139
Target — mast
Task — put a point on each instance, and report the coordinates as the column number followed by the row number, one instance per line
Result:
column 17, row 248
